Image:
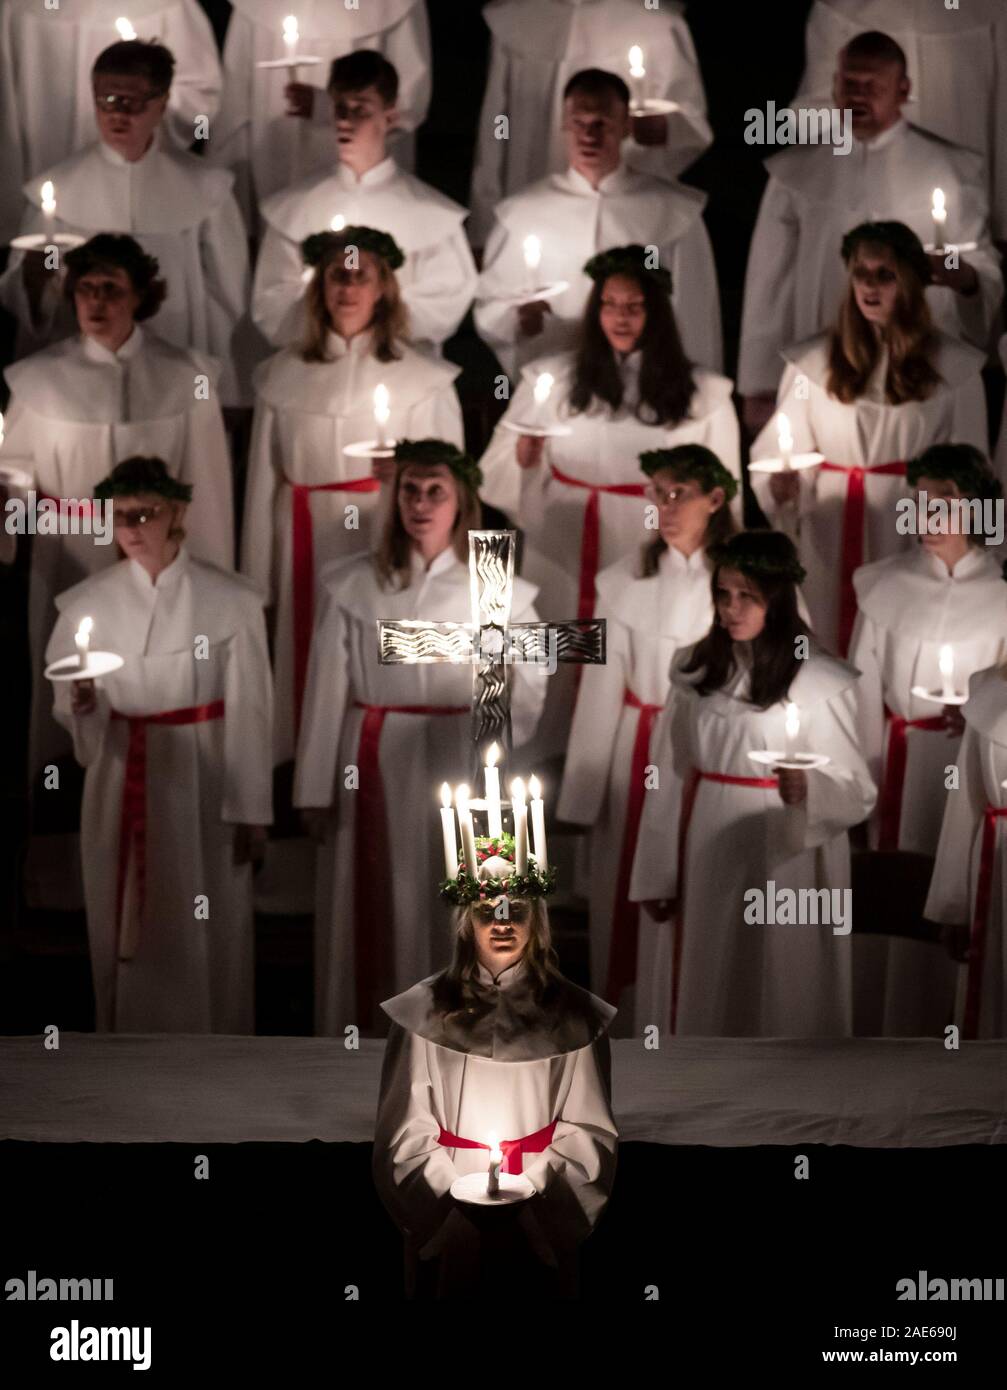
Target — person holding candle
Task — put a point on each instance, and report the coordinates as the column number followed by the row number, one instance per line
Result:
column 307, row 502
column 876, row 390
column 733, row 830
column 175, row 802
column 376, row 737
column 366, row 187
column 655, row 603
column 595, row 204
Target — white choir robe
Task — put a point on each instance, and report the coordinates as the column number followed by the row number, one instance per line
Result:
column 268, row 149
column 188, row 973
column 531, row 1077
column 909, row 607
column 866, row 433
column 738, row 978
column 574, row 221
column 948, row 51
column 46, row 101
column 982, row 762
column 306, row 414
column 796, row 276
column 416, row 753
column 179, row 210
column 536, row 46
column 649, row 620
column 437, row 280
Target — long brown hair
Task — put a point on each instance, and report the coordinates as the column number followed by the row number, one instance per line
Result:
column 719, row 528
column 393, row 554
column 454, row 989
column 390, row 322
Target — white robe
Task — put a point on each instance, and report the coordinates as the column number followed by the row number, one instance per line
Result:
column 950, row 52
column 189, row 973
column 983, row 769
column 268, row 149
column 574, row 221
column 737, row 977
column 46, row 56
column 416, row 754
column 536, row 46
column 649, row 620
column 865, row 433
column 179, row 210
column 439, row 275
column 306, row 413
column 796, row 275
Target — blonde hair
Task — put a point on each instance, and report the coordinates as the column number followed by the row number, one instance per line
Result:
column 393, row 554
column 389, row 325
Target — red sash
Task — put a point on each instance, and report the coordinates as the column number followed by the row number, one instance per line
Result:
column 622, row 950
column 304, row 572
column 373, row 913
column 688, row 802
column 133, row 818
column 890, row 800
column 977, row 944
column 853, row 538
column 590, row 546
column 513, row 1150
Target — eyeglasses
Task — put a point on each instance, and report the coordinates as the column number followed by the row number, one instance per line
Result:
column 136, row 516
column 486, row 914
column 128, row 105
column 654, row 492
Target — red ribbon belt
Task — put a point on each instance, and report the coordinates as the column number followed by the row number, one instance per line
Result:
column 853, row 538
column 688, row 802
column 590, row 546
column 304, row 573
column 133, row 818
column 513, row 1150
column 373, row 912
column 890, row 801
column 977, row 943
column 626, row 915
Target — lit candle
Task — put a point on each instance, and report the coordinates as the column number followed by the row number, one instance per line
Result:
column 496, row 1158
column 492, row 777
column 946, row 662
column 82, row 640
column 538, row 822
column 939, row 213
column 338, row 222
column 792, row 728
column 448, row 832
column 785, row 440
column 48, row 192
column 291, row 37
column 637, row 76
column 519, row 809
column 543, row 387
column 381, row 411
column 125, row 30
column 532, row 249
column 468, row 837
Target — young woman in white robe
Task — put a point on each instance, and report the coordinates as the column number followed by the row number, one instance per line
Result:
column 376, row 737
column 176, row 799
column 719, row 856
column 654, row 603
column 307, row 502
column 946, row 592
column 874, row 392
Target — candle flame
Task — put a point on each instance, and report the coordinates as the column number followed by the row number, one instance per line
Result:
column 86, row 624
column 938, row 209
column 517, row 791
column 494, row 1144
column 532, row 247
column 534, row 787
column 445, row 795
column 786, row 439
column 125, row 29
column 48, row 192
column 543, row 385
column 338, row 222
column 946, row 661
column 290, row 30
column 381, row 398
column 636, row 68
column 492, row 755
column 793, row 725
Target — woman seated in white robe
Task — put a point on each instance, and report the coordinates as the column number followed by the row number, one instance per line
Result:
column 754, row 861
column 946, row 596
column 308, row 502
column 574, row 488
column 655, row 603
column 869, row 395
column 375, row 737
column 177, row 793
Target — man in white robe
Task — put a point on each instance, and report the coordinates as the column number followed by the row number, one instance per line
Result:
column 275, row 124
column 794, row 277
column 178, row 208
column 597, row 203
column 46, row 104
column 367, row 188
column 535, row 48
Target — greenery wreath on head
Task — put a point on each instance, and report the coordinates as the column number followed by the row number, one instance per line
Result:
column 628, row 260
column 466, row 888
column 315, row 248
column 693, row 461
column 431, row 451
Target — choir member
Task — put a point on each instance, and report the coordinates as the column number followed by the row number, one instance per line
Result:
column 655, row 602
column 945, row 595
column 793, row 282
column 375, row 736
column 307, row 502
column 719, row 856
column 275, row 127
column 876, row 390
column 176, row 800
column 178, row 208
column 967, row 891
column 366, row 187
column 597, row 202
column 46, row 51
column 535, row 48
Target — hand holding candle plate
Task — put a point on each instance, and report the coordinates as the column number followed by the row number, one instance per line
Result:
column 536, row 425
column 788, row 462
column 381, row 447
column 947, row 695
column 85, row 665
column 472, row 1188
column 789, row 757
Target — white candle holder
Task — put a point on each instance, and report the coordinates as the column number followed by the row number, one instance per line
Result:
column 370, row 448
column 802, row 762
column 796, row 464
column 38, row 241
column 653, row 106
column 529, row 427
column 529, row 296
column 309, row 60
column 932, row 249
column 942, row 696
column 96, row 664
column 514, row 1187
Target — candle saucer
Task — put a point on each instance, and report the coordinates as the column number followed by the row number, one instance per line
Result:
column 537, row 431
column 797, row 463
column 932, row 249
column 937, row 697
column 653, row 106
column 38, row 241
column 308, row 61
column 547, row 292
column 514, row 1187
column 97, row 664
column 802, row 762
column 370, row 449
